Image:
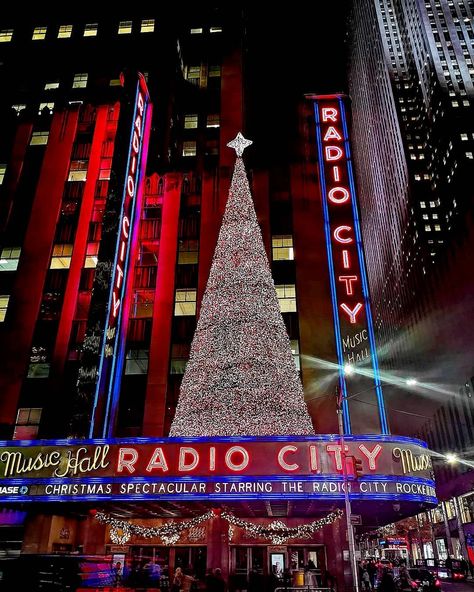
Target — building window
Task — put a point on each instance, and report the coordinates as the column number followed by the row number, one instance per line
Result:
column 437, row 227
column 214, row 71
column 136, row 361
column 6, row 35
column 90, row 262
column 61, row 258
column 143, row 300
column 213, row 120
column 427, row 228
column 178, row 366
column 470, row 155
column 185, row 303
column 65, row 31
column 215, row 30
column 125, row 27
column 115, row 82
column 19, row 108
column 78, row 170
column 49, row 106
column 196, row 31
column 80, row 80
column 188, row 252
column 27, row 423
column 286, row 297
column 90, row 30
column 148, row 26
column 9, row 258
column 193, row 74
column 295, row 350
column 282, row 248
column 3, row 169
column 51, row 85
column 190, row 121
column 464, row 137
column 39, row 33
column 4, row 299
column 189, row 148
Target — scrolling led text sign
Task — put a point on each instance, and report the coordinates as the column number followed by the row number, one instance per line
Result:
column 349, row 291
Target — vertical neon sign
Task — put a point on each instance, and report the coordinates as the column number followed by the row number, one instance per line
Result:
column 354, row 333
column 112, row 351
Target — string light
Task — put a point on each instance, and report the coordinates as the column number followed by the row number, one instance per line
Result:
column 241, row 377
column 277, row 531
column 121, row 531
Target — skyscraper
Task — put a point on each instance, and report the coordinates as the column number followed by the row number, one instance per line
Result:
column 413, row 96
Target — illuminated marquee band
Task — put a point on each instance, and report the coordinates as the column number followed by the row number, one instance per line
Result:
column 218, row 469
column 355, row 341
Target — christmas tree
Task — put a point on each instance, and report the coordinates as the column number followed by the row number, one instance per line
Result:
column 241, row 378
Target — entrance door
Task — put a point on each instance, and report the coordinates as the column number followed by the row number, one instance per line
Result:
column 191, row 559
column 247, row 566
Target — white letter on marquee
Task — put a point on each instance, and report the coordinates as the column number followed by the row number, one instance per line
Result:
column 337, row 234
column 281, row 460
column 182, row 465
column 330, row 114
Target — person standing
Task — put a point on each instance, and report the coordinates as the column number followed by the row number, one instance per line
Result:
column 178, row 579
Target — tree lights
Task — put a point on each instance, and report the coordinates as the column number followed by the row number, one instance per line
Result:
column 241, row 378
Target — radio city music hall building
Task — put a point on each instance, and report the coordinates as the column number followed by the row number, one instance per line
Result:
column 113, row 193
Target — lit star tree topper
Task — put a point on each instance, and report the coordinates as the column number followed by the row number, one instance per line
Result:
column 241, row 377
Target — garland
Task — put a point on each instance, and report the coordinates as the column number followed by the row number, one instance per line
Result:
column 121, row 531
column 169, row 533
column 277, row 531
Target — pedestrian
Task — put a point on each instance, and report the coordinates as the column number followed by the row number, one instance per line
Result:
column 387, row 583
column 177, row 580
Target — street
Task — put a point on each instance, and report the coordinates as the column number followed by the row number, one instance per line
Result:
column 448, row 586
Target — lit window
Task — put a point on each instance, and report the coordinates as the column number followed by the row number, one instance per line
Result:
column 19, row 108
column 49, row 106
column 426, row 217
column 437, row 227
column 39, row 33
column 215, row 30
column 61, row 258
column 65, row 31
column 4, row 298
column 78, row 170
column 286, row 297
column 178, row 366
column 185, row 303
column 454, row 103
column 427, row 228
column 115, row 82
column 282, row 248
column 197, row 31
column 142, row 303
column 214, row 71
column 295, row 350
column 470, row 155
column 136, row 361
column 90, row 30
column 193, row 74
column 188, row 252
column 189, row 148
column 6, row 35
column 9, row 258
column 190, row 121
column 90, row 262
column 148, row 26
column 422, row 204
column 51, row 85
column 464, row 137
column 125, row 27
column 213, row 120
column 27, row 423
column 80, row 80
column 3, row 169
column 39, row 138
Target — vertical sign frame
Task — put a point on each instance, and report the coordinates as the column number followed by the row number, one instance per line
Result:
column 353, row 325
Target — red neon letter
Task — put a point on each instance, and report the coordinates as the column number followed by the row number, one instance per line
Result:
column 125, row 226
column 281, row 460
column 339, row 195
column 336, row 450
column 332, row 134
column 313, row 457
column 348, row 279
column 245, row 458
column 157, row 461
column 127, row 457
column 212, row 458
column 333, row 153
column 115, row 303
column 337, row 234
column 140, row 103
column 352, row 313
column 330, row 114
column 119, row 276
column 335, row 173
column 182, row 464
column 346, row 262
column 371, row 454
